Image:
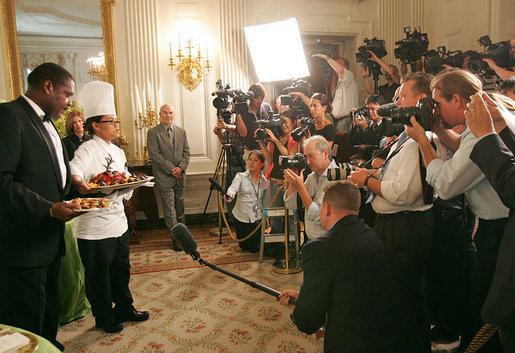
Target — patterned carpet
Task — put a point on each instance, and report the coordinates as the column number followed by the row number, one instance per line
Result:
column 197, row 309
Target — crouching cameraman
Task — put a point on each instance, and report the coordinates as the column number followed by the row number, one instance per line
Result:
column 317, row 151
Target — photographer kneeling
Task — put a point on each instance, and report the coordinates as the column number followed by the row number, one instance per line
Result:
column 282, row 146
column 251, row 186
column 317, row 151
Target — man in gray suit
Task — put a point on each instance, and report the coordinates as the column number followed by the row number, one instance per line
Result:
column 170, row 153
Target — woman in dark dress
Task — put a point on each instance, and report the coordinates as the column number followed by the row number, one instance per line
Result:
column 75, row 131
column 319, row 106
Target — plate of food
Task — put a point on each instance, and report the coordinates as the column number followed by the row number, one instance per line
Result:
column 30, row 347
column 110, row 181
column 93, row 204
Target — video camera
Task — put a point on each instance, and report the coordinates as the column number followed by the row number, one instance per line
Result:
column 375, row 45
column 411, row 48
column 273, row 123
column 499, row 52
column 225, row 97
column 439, row 57
column 297, row 104
column 307, row 123
column 297, row 161
column 425, row 111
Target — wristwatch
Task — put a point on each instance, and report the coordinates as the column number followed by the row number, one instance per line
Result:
column 365, row 183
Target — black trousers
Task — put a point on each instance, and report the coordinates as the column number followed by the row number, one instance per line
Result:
column 408, row 236
column 107, row 274
column 30, row 298
column 244, row 229
column 487, row 240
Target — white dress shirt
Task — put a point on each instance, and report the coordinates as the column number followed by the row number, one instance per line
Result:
column 89, row 161
column 401, row 184
column 459, row 175
column 250, row 197
column 315, row 185
column 54, row 137
column 345, row 95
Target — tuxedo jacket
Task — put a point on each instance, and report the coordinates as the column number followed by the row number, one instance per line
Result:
column 495, row 158
column 30, row 182
column 165, row 157
column 349, row 279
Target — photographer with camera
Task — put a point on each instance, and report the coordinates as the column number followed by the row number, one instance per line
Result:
column 345, row 95
column 371, row 136
column 391, row 74
column 317, row 151
column 452, row 90
column 404, row 220
column 283, row 145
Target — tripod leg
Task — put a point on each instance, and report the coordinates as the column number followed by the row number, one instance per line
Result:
column 210, row 189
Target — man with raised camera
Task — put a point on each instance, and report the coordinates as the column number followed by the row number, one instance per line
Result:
column 391, row 75
column 346, row 93
column 404, row 220
column 317, row 151
column 452, row 90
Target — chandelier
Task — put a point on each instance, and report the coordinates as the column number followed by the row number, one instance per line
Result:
column 189, row 68
column 97, row 67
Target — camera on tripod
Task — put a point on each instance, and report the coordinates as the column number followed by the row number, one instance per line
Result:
column 225, row 97
column 439, row 57
column 274, row 123
column 297, row 161
column 375, row 45
column 411, row 48
column 424, row 111
column 499, row 52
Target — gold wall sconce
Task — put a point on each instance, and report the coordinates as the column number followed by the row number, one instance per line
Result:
column 189, row 68
column 97, row 67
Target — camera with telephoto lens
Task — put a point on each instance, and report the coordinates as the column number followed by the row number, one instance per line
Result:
column 306, row 123
column 411, row 48
column 500, row 53
column 375, row 45
column 424, row 111
column 274, row 123
column 363, row 111
column 437, row 58
column 297, row 161
column 344, row 169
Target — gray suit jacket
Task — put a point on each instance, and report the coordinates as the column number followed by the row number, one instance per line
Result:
column 165, row 157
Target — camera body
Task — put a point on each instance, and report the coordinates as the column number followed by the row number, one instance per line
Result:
column 375, row 45
column 363, row 111
column 424, row 111
column 499, row 52
column 411, row 48
column 297, row 161
column 274, row 123
column 297, row 104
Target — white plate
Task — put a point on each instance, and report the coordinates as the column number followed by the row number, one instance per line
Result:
column 110, row 188
column 112, row 204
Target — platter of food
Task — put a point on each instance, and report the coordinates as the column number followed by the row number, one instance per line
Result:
column 110, row 181
column 93, row 204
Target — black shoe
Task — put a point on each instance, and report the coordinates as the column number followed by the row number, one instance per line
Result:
column 132, row 315
column 58, row 345
column 444, row 334
column 111, row 326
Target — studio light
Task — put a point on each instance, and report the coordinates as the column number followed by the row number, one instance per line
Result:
column 276, row 50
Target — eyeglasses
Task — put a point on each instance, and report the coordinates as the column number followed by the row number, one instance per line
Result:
column 112, row 122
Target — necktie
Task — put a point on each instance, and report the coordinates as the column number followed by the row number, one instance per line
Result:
column 403, row 137
column 170, row 135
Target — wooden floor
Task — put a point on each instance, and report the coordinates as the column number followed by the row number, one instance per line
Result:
column 162, row 235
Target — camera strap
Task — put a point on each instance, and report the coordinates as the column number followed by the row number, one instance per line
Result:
column 400, row 142
column 427, row 189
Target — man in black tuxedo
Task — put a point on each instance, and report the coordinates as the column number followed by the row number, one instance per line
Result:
column 349, row 282
column 34, row 177
column 493, row 154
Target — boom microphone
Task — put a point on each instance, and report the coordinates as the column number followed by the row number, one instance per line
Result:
column 214, row 184
column 185, row 240
column 183, row 236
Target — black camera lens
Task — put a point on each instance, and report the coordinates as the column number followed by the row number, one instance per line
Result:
column 261, row 134
column 220, row 103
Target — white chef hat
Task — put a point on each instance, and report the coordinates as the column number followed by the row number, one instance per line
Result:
column 97, row 98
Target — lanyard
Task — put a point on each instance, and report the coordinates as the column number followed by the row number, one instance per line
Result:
column 252, row 183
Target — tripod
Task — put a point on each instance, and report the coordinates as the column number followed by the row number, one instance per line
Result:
column 375, row 69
